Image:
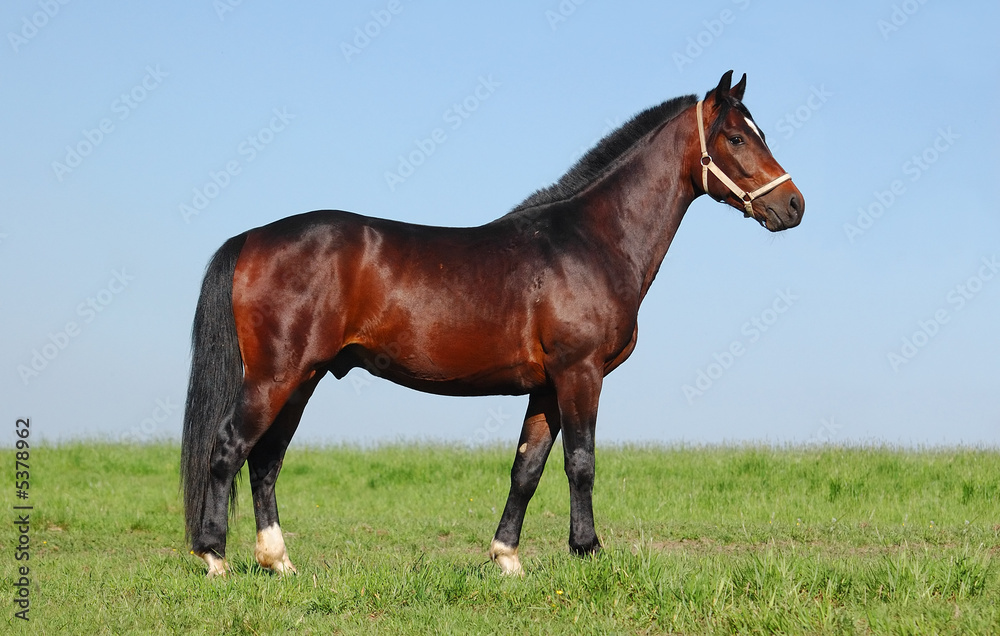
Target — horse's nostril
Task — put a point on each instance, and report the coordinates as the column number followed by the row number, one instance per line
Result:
column 795, row 203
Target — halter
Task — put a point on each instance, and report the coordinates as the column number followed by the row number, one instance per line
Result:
column 708, row 164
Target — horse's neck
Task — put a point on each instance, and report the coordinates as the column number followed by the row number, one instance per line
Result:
column 637, row 209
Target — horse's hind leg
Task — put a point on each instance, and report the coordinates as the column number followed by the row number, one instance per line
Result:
column 541, row 425
column 256, row 409
column 210, row 541
column 264, row 463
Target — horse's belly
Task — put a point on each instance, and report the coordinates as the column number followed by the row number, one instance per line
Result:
column 476, row 371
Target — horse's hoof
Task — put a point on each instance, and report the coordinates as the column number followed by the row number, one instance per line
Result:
column 217, row 567
column 506, row 557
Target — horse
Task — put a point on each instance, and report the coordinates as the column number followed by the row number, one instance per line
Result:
column 542, row 301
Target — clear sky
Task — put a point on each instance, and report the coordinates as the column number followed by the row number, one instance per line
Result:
column 137, row 137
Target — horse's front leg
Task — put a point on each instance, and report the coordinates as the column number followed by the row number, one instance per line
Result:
column 578, row 390
column 541, row 425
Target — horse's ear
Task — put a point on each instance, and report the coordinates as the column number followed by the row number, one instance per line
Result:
column 740, row 87
column 722, row 90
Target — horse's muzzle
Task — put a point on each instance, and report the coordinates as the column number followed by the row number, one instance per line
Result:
column 783, row 208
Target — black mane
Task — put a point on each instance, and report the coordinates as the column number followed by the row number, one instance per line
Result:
column 599, row 159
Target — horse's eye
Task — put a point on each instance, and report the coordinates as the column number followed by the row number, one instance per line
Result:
column 736, row 140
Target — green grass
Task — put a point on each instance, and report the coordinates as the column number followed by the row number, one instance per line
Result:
column 749, row 540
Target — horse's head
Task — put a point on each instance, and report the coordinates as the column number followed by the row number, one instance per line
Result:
column 735, row 164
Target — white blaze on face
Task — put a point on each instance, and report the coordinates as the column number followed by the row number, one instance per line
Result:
column 754, row 128
column 270, row 550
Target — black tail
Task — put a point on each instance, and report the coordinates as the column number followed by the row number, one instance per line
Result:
column 216, row 378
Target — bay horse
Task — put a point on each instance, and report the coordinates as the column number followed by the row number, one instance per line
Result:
column 542, row 301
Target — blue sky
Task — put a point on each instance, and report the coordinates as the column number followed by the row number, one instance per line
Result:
column 138, row 138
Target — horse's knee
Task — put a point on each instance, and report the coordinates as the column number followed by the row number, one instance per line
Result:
column 580, row 469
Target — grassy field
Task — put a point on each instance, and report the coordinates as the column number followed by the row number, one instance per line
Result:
column 749, row 540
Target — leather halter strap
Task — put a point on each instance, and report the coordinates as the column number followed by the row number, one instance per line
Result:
column 708, row 164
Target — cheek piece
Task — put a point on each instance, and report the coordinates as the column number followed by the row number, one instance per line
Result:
column 707, row 164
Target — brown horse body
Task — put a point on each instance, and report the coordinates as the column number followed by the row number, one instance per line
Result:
column 542, row 301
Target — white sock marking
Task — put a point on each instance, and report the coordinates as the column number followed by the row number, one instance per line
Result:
column 506, row 557
column 270, row 550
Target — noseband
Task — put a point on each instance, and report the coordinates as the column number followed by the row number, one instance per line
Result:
column 708, row 164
